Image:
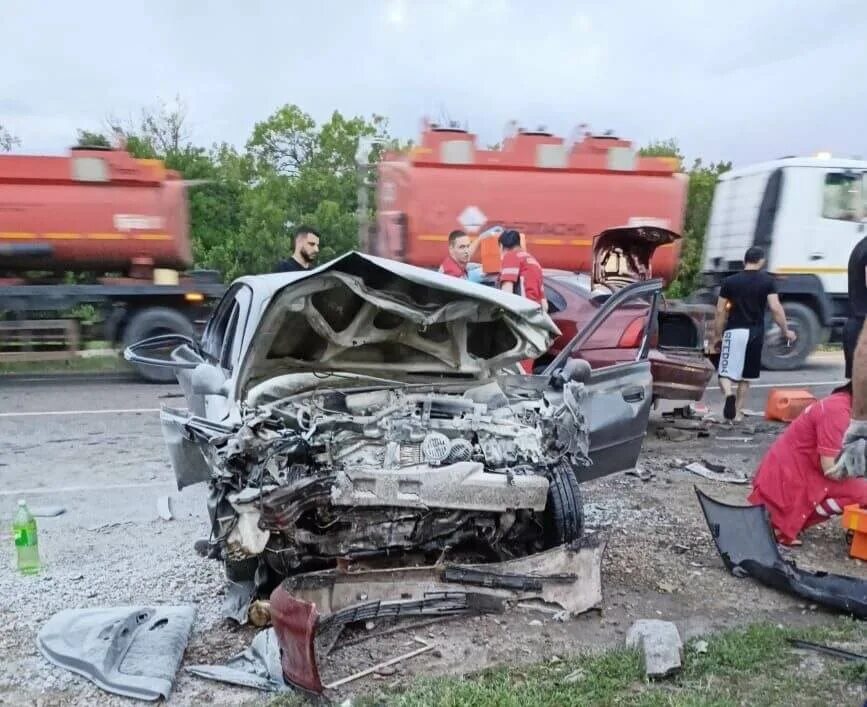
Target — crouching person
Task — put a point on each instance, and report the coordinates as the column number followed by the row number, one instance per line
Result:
column 792, row 481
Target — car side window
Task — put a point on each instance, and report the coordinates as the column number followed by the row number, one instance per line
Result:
column 214, row 336
column 556, row 301
column 237, row 326
column 842, row 199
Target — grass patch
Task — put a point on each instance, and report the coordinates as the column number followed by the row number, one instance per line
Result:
column 754, row 666
column 94, row 364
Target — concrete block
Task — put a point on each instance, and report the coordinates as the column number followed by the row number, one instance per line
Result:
column 660, row 644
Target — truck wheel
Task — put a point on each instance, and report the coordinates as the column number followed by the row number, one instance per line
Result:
column 776, row 356
column 564, row 513
column 154, row 322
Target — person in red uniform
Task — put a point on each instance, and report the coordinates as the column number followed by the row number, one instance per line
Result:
column 793, row 480
column 461, row 251
column 521, row 274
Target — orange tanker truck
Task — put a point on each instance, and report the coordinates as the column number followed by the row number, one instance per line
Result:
column 121, row 224
column 559, row 195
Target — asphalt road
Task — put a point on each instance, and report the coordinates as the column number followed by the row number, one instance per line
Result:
column 86, row 439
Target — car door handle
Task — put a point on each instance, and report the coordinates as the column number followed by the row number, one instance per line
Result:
column 817, row 256
column 633, row 395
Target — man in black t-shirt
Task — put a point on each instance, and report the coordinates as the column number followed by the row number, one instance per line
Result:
column 306, row 251
column 853, row 459
column 740, row 328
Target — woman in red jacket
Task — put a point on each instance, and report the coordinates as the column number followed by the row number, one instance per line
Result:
column 791, row 481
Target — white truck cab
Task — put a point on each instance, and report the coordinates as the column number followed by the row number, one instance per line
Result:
column 808, row 214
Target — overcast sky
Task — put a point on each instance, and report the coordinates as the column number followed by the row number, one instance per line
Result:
column 744, row 80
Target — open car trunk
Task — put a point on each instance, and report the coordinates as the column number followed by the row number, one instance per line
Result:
column 622, row 256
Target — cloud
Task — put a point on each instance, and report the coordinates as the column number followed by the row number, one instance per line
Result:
column 738, row 80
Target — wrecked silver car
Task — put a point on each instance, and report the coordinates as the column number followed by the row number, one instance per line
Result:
column 369, row 408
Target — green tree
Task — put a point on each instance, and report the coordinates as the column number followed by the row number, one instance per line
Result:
column 88, row 138
column 662, row 148
column 7, row 140
column 310, row 172
column 702, row 182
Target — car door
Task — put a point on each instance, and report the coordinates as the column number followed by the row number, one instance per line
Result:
column 222, row 344
column 619, row 394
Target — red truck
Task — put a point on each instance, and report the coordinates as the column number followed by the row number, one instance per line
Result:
column 559, row 195
column 120, row 224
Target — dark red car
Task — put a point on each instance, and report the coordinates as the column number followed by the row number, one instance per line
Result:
column 622, row 256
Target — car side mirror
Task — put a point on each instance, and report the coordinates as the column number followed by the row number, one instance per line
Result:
column 576, row 370
column 207, row 379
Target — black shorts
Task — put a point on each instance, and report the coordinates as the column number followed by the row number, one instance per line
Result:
column 740, row 356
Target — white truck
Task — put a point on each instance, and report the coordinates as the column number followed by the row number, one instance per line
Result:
column 808, row 214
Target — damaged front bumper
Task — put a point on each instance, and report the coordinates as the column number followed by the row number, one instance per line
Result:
column 746, row 544
column 309, row 611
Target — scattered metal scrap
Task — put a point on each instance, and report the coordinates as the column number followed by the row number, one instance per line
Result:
column 746, row 544
column 718, row 473
column 828, row 650
column 568, row 576
column 133, row 651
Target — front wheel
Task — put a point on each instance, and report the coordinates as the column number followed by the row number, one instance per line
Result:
column 776, row 355
column 564, row 513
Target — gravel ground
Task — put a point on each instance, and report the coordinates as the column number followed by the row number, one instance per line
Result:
column 110, row 548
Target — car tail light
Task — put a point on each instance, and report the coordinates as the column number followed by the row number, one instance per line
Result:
column 634, row 333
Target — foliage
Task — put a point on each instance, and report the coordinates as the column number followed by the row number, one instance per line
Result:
column 702, row 182
column 88, row 138
column 662, row 148
column 7, row 140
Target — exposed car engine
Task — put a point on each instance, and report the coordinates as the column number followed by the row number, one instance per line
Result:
column 367, row 472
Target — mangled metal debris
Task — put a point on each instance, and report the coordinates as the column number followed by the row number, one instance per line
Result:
column 309, row 611
column 257, row 667
column 746, row 543
column 568, row 576
column 133, row 651
column 716, row 472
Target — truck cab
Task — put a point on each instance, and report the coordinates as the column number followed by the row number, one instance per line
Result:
column 808, row 214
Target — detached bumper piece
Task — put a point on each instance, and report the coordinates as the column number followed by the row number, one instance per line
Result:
column 746, row 544
column 286, row 655
column 133, row 651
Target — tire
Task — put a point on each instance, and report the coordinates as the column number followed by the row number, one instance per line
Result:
column 153, row 322
column 564, row 512
column 776, row 356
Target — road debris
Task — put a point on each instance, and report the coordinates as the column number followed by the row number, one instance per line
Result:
column 701, row 647
column 642, row 474
column 727, row 477
column 659, row 643
column 258, row 666
column 827, row 650
column 380, row 667
column 47, row 511
column 568, row 577
column 133, row 651
column 746, row 544
column 301, row 632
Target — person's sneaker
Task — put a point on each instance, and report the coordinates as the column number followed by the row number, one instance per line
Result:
column 729, row 408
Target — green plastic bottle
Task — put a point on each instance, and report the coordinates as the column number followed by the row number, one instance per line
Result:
column 26, row 543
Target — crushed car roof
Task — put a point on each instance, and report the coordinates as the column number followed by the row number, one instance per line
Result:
column 363, row 314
